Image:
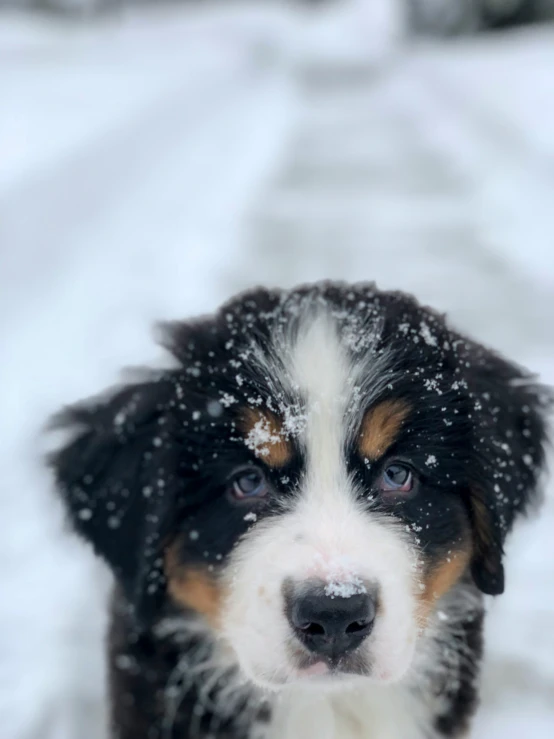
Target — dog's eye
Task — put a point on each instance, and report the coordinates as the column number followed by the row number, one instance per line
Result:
column 248, row 484
column 397, row 478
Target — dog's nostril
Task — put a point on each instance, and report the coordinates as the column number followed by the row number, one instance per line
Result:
column 312, row 629
column 357, row 626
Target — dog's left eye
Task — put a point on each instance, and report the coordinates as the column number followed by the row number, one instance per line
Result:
column 397, row 478
column 248, row 484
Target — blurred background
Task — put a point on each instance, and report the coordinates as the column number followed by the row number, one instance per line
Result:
column 157, row 157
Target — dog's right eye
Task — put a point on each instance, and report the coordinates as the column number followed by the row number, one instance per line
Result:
column 249, row 484
column 397, row 478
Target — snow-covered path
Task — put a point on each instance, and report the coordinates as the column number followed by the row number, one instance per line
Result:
column 152, row 168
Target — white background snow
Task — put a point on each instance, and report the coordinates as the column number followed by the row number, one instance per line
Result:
column 154, row 163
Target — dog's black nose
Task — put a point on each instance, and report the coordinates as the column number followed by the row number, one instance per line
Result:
column 331, row 626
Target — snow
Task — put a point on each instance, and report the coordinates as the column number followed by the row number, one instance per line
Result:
column 427, row 336
column 214, row 408
column 261, row 436
column 154, row 164
column 339, row 575
column 345, row 588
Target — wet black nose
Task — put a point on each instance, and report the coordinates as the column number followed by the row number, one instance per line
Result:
column 332, row 626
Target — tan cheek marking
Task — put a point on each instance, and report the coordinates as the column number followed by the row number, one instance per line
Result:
column 380, row 427
column 264, row 434
column 441, row 578
column 193, row 588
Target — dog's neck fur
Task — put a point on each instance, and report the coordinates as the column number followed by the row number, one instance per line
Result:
column 357, row 713
column 174, row 666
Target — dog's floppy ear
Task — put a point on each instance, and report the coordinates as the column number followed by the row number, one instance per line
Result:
column 509, row 412
column 117, row 478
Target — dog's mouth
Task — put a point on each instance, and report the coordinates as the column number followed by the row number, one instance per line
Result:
column 332, row 670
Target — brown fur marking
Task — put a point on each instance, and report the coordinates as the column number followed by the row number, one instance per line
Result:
column 193, row 587
column 266, row 437
column 380, row 427
column 442, row 577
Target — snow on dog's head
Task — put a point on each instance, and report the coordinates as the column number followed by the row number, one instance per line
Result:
column 321, row 468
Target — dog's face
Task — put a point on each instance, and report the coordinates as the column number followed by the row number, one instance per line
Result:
column 320, row 470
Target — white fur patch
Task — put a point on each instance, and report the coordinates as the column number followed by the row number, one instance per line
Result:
column 359, row 713
column 327, row 532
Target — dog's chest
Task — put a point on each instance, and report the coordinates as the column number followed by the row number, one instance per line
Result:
column 361, row 713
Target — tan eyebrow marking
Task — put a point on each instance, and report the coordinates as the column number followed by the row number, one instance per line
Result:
column 266, row 437
column 380, row 427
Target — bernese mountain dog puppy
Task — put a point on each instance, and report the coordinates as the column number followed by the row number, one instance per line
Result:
column 302, row 515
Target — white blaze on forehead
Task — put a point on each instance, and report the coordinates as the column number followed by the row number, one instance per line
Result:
column 322, row 385
column 321, row 370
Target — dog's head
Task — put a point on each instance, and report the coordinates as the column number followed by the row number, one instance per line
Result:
column 322, row 467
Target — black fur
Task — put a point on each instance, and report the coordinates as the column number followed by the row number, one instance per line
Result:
column 140, row 666
column 461, row 690
column 151, row 462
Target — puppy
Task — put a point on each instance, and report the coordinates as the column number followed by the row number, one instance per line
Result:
column 302, row 517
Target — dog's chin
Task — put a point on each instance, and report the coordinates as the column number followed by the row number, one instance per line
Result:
column 320, row 677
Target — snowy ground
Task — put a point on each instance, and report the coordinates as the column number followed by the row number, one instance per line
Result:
column 154, row 165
